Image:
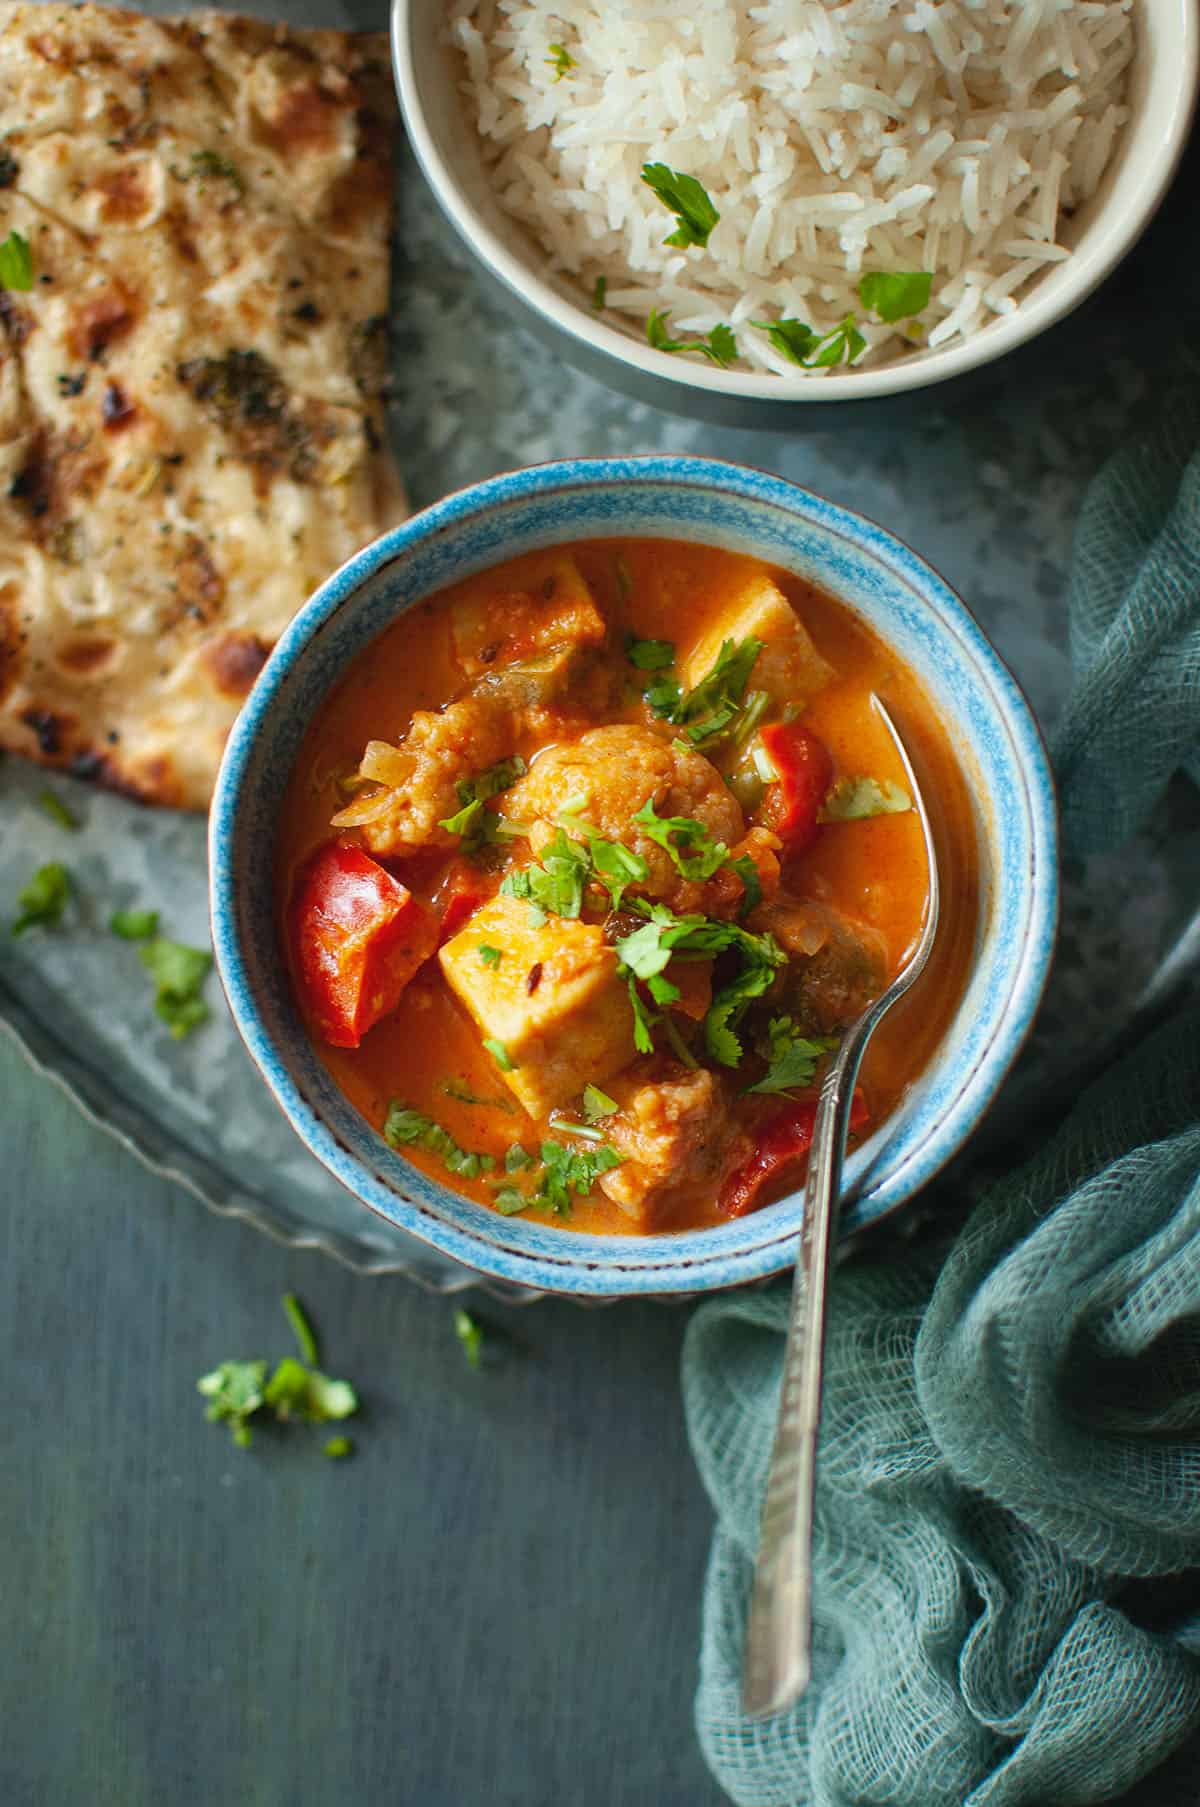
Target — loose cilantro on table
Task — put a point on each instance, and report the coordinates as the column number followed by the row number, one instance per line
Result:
column 42, row 901
column 16, row 262
column 338, row 1448
column 793, row 1057
column 134, row 925
column 559, row 60
column 687, row 199
column 178, row 973
column 403, row 1127
column 719, row 346
column 895, row 295
column 693, row 851
column 57, row 810
column 856, row 799
column 237, row 1390
column 470, row 1334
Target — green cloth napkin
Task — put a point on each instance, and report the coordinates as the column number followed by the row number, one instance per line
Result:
column 1010, row 1453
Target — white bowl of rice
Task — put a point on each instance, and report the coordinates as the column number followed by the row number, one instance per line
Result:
column 723, row 205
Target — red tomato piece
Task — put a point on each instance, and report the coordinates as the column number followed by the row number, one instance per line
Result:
column 783, row 1140
column 464, row 890
column 805, row 772
column 358, row 935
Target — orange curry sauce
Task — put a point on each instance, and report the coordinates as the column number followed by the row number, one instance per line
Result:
column 428, row 1052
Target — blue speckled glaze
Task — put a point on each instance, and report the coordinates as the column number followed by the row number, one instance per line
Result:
column 742, row 510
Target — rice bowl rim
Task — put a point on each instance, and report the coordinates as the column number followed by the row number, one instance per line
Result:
column 1162, row 106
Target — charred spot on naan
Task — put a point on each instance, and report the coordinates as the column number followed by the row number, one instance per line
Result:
column 235, row 660
column 98, row 321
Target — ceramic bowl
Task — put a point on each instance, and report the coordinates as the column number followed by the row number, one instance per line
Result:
column 1162, row 98
column 897, row 595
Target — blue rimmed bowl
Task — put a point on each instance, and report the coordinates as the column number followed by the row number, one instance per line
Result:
column 906, row 604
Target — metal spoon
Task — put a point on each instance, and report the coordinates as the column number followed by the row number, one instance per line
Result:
column 776, row 1661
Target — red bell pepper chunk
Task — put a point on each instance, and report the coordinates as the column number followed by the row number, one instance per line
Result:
column 783, row 1140
column 358, row 937
column 464, row 890
column 804, row 771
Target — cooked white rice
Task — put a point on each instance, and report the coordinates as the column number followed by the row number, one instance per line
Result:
column 950, row 136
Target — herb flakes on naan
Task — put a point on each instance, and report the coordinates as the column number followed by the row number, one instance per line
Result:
column 191, row 414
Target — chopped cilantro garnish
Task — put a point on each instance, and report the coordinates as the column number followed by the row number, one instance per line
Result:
column 57, row 810
column 491, row 956
column 720, row 691
column 646, row 951
column 554, row 887
column 687, row 199
column 469, row 821
column 16, row 262
column 599, row 293
column 178, row 973
column 302, row 1330
column 463, row 821
column 403, row 1126
column 465, row 1096
column 470, row 1334
column 663, row 696
column 509, row 1200
column 134, row 925
column 597, row 1104
column 644, row 1020
column 747, row 871
column 815, row 351
column 559, row 60
column 854, row 799
column 693, row 851
column 338, row 1448
column 615, row 865
column 517, row 1158
column 649, row 655
column 895, row 295
column 499, row 1053
column 793, row 1057
column 719, row 346
column 567, row 1170
column 43, row 900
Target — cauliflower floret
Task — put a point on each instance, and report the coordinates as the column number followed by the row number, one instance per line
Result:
column 606, row 776
column 422, row 773
column 673, row 1129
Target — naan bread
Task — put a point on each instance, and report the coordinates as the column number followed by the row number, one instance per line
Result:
column 191, row 430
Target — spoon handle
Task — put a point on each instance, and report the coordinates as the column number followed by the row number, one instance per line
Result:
column 778, row 1633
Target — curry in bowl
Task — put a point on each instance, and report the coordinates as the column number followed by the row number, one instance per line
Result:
column 587, row 863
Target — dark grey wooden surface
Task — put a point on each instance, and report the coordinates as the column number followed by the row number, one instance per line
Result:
column 495, row 1602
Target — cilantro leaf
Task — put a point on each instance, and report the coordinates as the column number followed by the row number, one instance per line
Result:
column 747, row 871
column 598, row 1104
column 57, row 810
column 517, row 1158
column 855, row 799
column 713, row 703
column 556, row 885
column 234, row 1391
column 469, row 821
column 509, row 1200
column 465, row 1096
column 570, row 1170
column 403, row 1127
column 43, row 900
column 295, row 1391
column 649, row 655
column 794, row 1057
column 178, row 973
column 302, row 1330
column 687, row 199
column 615, row 865
column 463, row 821
column 337, row 1448
column 693, row 851
column 728, row 1007
column 803, row 345
column 719, row 346
column 499, row 1053
column 470, row 1334
column 644, row 1020
column 16, row 263
column 559, row 60
column 134, row 925
column 895, row 295
column 491, row 956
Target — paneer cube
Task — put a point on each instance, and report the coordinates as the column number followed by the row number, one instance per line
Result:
column 789, row 667
column 496, row 628
column 553, row 1000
